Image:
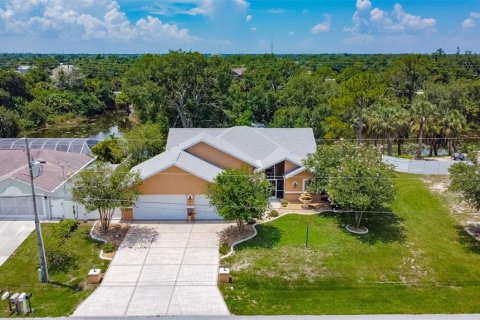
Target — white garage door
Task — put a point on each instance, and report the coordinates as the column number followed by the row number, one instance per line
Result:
column 203, row 209
column 161, row 207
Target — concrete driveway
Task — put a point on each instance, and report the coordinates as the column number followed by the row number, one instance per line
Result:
column 12, row 234
column 164, row 268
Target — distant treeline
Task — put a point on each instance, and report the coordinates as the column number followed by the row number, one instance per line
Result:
column 387, row 97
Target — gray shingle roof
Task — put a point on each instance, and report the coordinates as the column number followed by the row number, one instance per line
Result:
column 261, row 145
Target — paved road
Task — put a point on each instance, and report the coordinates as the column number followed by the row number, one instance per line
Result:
column 162, row 269
column 12, row 234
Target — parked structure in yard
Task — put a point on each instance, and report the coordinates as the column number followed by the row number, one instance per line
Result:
column 52, row 186
column 177, row 180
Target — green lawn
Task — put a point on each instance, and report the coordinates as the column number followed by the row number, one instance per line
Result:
column 67, row 288
column 414, row 260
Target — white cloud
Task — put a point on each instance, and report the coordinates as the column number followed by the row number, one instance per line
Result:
column 475, row 15
column 469, row 23
column 408, row 20
column 194, row 7
column 376, row 21
column 87, row 19
column 363, row 5
column 249, row 18
column 323, row 26
column 291, row 33
column 253, row 28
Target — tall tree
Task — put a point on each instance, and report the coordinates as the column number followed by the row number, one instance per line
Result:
column 387, row 119
column 422, row 112
column 144, row 142
column 407, row 75
column 187, row 87
column 358, row 94
column 9, row 127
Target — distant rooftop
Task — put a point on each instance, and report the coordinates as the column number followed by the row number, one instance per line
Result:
column 57, row 167
column 72, row 145
column 239, row 71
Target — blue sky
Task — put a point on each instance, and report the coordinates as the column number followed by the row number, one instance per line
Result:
column 239, row 26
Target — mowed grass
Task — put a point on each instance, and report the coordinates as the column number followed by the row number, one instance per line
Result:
column 415, row 259
column 66, row 289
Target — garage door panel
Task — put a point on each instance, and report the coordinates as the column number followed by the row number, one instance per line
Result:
column 203, row 209
column 160, row 207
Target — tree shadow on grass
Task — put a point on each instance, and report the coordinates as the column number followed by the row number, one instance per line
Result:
column 469, row 243
column 268, row 237
column 384, row 227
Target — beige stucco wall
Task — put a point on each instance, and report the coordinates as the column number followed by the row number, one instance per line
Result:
column 291, row 193
column 215, row 156
column 173, row 181
column 290, row 166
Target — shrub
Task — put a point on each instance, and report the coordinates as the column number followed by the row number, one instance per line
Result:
column 60, row 260
column 108, row 247
column 224, row 248
column 284, row 203
column 64, row 228
column 273, row 214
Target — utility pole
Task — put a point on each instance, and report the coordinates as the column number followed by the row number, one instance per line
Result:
column 43, row 271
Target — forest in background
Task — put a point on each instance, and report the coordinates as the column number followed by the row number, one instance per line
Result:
column 395, row 99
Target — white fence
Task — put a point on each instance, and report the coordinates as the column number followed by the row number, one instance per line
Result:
column 419, row 166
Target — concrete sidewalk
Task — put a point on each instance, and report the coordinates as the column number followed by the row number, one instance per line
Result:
column 12, row 234
column 162, row 269
column 349, row 317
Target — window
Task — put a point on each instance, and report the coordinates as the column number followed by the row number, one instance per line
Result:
column 305, row 184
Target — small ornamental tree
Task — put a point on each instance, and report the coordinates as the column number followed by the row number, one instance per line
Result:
column 465, row 179
column 361, row 183
column 103, row 188
column 240, row 195
column 325, row 159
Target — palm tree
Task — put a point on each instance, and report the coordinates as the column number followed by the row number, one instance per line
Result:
column 452, row 124
column 422, row 113
column 386, row 119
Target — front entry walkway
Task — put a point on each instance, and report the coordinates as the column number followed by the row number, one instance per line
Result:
column 162, row 268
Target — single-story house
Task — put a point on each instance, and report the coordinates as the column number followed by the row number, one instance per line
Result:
column 62, row 69
column 52, row 186
column 23, row 69
column 177, row 179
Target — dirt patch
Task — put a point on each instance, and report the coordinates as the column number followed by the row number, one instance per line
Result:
column 462, row 211
column 231, row 234
column 115, row 233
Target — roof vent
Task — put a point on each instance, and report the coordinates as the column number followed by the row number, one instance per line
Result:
column 42, row 161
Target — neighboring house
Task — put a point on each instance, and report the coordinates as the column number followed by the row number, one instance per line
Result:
column 23, row 69
column 178, row 178
column 52, row 186
column 238, row 72
column 62, row 68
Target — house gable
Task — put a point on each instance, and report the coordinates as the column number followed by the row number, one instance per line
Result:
column 173, row 180
column 214, row 156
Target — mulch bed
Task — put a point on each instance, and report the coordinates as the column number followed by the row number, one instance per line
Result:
column 231, row 234
column 115, row 233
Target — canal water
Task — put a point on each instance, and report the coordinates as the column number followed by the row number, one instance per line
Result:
column 97, row 127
